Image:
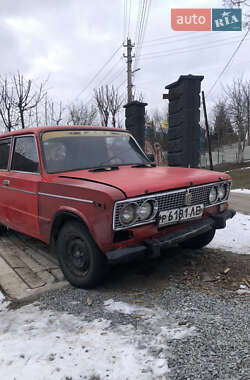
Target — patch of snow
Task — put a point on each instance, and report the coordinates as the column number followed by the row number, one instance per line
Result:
column 242, row 191
column 243, row 291
column 3, row 302
column 160, row 326
column 45, row 344
column 243, row 287
column 177, row 332
column 235, row 237
column 125, row 308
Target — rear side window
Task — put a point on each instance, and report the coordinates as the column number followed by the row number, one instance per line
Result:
column 4, row 153
column 25, row 157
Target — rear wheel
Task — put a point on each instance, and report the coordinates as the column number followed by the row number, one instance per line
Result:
column 200, row 240
column 81, row 261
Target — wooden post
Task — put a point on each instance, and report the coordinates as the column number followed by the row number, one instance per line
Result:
column 207, row 129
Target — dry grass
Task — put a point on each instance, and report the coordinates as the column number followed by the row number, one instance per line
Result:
column 240, row 173
column 228, row 166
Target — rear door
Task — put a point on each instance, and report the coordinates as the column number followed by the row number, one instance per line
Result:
column 24, row 179
column 5, row 144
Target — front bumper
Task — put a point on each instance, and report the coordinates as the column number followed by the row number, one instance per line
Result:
column 152, row 247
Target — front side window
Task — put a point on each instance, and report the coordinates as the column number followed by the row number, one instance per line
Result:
column 82, row 149
column 25, row 157
column 4, row 153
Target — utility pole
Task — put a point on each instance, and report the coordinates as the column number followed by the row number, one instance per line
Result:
column 129, row 57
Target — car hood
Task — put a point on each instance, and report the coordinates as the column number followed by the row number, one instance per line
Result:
column 138, row 181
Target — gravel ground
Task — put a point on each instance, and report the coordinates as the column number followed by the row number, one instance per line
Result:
column 217, row 348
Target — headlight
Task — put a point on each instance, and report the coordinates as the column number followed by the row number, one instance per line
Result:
column 128, row 213
column 213, row 195
column 222, row 191
column 147, row 210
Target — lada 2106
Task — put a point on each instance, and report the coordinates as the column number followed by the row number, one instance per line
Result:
column 95, row 197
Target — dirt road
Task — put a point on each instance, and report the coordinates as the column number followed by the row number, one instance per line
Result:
column 240, row 202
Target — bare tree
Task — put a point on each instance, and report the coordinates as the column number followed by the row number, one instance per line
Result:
column 26, row 98
column 244, row 4
column 81, row 114
column 101, row 96
column 223, row 132
column 236, row 3
column 237, row 108
column 139, row 97
column 246, row 90
column 8, row 112
column 54, row 112
column 115, row 104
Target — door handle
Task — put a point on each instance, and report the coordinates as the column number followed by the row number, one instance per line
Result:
column 6, row 182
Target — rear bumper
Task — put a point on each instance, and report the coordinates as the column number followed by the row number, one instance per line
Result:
column 152, row 247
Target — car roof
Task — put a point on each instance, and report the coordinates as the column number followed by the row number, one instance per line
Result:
column 58, row 128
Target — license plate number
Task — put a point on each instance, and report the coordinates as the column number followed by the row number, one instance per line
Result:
column 180, row 214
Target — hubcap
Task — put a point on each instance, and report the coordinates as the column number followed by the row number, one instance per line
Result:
column 78, row 255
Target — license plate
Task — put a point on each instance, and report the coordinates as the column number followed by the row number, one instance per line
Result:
column 180, row 214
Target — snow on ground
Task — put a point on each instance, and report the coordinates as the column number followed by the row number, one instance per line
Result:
column 243, row 290
column 235, row 237
column 244, row 168
column 242, row 191
column 124, row 308
column 3, row 303
column 45, row 344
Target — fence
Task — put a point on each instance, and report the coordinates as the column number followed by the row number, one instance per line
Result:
column 227, row 153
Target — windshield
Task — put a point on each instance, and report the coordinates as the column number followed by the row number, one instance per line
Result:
column 82, row 149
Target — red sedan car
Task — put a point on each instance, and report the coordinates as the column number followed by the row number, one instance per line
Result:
column 95, row 196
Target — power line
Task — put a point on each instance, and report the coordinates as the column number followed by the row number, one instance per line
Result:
column 138, row 20
column 146, row 21
column 153, row 53
column 109, row 72
column 183, row 51
column 229, row 61
column 123, row 82
column 117, row 74
column 124, row 19
column 177, row 39
column 141, row 22
column 98, row 72
column 181, row 35
column 142, row 29
column 129, row 16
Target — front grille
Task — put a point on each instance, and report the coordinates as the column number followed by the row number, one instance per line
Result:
column 167, row 201
column 176, row 199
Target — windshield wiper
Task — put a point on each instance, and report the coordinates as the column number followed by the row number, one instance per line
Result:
column 148, row 165
column 104, row 169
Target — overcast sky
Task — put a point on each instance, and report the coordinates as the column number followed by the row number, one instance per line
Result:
column 70, row 40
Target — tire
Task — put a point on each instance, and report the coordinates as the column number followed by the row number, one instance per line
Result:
column 199, row 241
column 3, row 229
column 81, row 261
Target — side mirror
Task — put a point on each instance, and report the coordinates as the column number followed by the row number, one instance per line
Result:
column 151, row 157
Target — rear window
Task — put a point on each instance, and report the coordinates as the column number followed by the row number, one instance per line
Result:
column 25, row 156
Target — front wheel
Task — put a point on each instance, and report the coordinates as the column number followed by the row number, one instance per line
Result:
column 199, row 241
column 81, row 261
column 3, row 229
